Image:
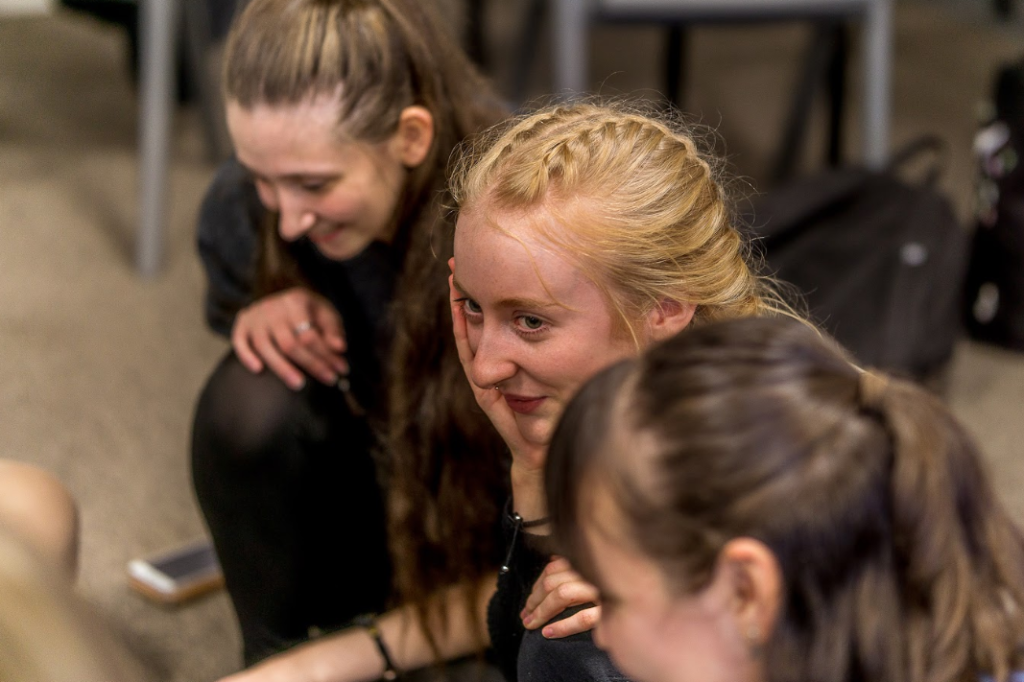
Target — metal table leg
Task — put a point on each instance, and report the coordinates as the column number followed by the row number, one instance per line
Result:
column 877, row 56
column 157, row 23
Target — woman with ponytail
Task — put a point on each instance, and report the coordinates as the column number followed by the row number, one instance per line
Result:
column 325, row 242
column 754, row 508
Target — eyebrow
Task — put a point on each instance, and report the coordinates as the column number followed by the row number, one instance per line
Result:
column 513, row 302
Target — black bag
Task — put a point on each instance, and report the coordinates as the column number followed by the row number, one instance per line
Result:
column 879, row 261
column 994, row 291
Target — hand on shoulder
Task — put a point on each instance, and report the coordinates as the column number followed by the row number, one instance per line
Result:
column 558, row 588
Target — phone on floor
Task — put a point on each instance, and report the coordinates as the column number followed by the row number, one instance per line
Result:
column 177, row 575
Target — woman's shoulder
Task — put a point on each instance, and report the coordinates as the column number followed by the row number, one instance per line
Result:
column 231, row 209
column 568, row 659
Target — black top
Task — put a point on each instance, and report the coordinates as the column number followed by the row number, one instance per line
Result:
column 361, row 288
column 526, row 655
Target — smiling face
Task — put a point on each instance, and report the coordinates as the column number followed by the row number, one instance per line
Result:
column 340, row 194
column 538, row 326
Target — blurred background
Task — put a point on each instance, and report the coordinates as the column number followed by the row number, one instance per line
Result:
column 100, row 363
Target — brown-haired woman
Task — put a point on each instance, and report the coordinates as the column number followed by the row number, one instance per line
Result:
column 325, row 246
column 754, row 508
column 586, row 233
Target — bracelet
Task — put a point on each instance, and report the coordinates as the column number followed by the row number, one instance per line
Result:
column 369, row 623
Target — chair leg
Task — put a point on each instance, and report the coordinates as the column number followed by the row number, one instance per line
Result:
column 817, row 65
column 675, row 64
column 528, row 40
column 199, row 42
column 837, row 70
column 475, row 29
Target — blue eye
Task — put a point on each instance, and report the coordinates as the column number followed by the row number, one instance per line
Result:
column 472, row 307
column 529, row 324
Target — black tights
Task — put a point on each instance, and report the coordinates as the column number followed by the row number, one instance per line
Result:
column 289, row 489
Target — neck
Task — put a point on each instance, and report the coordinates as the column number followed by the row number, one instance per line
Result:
column 528, row 496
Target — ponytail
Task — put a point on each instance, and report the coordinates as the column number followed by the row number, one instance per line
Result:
column 961, row 556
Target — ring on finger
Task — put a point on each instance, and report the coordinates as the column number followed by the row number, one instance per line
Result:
column 305, row 325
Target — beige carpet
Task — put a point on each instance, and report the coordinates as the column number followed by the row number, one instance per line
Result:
column 99, row 369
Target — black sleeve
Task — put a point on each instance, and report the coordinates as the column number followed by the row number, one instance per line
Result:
column 227, row 237
column 526, row 655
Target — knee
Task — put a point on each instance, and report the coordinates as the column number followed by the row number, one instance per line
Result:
column 241, row 418
column 36, row 507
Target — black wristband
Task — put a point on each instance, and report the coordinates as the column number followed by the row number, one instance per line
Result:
column 369, row 623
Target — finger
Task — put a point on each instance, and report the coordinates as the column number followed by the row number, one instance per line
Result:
column 581, row 621
column 319, row 359
column 315, row 343
column 307, row 350
column 563, row 592
column 542, row 586
column 242, row 345
column 451, row 265
column 328, row 321
column 276, row 361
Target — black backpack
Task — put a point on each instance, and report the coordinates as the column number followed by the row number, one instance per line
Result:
column 994, row 291
column 880, row 261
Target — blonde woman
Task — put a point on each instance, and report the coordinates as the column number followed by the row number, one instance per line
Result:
column 586, row 233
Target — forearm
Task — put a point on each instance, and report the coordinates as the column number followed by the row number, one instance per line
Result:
column 463, row 633
column 352, row 656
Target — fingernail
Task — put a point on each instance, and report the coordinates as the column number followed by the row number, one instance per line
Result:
column 299, row 385
column 528, row 620
column 329, row 378
column 548, row 632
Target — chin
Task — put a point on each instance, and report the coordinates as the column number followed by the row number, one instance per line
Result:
column 535, row 430
column 340, row 251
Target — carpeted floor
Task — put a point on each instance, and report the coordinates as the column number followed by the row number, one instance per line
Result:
column 98, row 369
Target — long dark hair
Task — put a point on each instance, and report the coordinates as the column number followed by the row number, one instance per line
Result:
column 444, row 458
column 898, row 563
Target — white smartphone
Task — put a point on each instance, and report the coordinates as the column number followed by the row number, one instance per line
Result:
column 177, row 575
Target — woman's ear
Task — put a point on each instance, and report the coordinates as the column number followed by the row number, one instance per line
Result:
column 668, row 318
column 414, row 136
column 754, row 580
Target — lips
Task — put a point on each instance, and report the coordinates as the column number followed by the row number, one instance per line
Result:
column 522, row 404
column 324, row 237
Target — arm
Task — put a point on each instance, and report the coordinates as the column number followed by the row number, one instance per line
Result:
column 352, row 656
